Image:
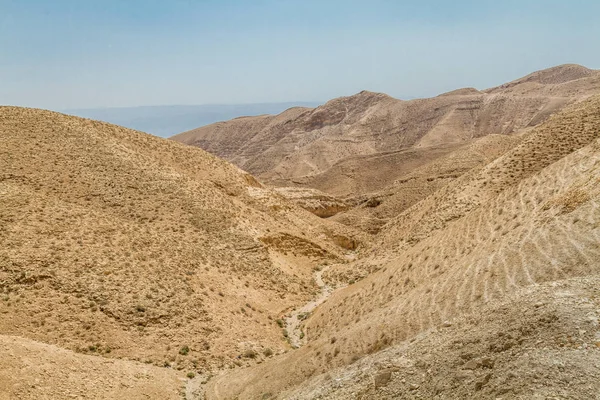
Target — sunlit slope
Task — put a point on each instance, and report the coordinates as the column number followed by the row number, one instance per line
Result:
column 117, row 242
column 363, row 143
column 31, row 370
column 529, row 217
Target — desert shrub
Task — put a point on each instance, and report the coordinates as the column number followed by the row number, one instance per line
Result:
column 250, row 353
column 268, row 352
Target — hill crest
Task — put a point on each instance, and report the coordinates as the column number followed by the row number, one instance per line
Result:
column 344, row 147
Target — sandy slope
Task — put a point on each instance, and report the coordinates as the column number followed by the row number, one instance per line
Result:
column 114, row 240
column 543, row 342
column 31, row 370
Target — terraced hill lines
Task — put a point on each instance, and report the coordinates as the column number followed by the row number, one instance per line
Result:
column 561, row 135
column 363, row 143
column 364, row 174
column 468, row 245
column 541, row 342
column 422, row 181
column 118, row 243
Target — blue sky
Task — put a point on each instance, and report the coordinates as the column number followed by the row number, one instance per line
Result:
column 87, row 53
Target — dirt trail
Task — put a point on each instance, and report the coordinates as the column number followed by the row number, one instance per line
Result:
column 293, row 321
column 194, row 388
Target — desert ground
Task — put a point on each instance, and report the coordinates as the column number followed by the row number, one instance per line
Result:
column 369, row 248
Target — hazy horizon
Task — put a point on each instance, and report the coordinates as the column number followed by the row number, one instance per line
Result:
column 78, row 55
column 168, row 120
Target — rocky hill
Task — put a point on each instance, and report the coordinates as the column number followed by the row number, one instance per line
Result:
column 526, row 224
column 363, row 143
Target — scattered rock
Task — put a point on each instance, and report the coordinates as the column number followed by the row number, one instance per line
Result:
column 487, row 362
column 462, row 375
column 483, row 381
column 382, row 378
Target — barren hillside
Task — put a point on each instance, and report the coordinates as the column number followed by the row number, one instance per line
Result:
column 117, row 243
column 31, row 370
column 465, row 263
column 376, row 209
column 363, row 143
column 530, row 217
column 543, row 342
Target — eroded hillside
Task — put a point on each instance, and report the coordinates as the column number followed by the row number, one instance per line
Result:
column 543, row 342
column 374, row 210
column 363, row 143
column 120, row 244
column 464, row 264
column 530, row 217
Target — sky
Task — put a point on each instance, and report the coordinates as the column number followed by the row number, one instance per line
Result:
column 65, row 54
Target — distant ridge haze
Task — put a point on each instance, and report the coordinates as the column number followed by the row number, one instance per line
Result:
column 168, row 120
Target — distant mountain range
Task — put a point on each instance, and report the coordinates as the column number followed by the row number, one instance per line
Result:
column 363, row 143
column 166, row 121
